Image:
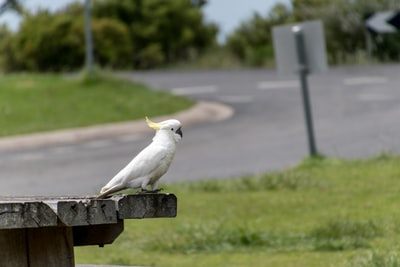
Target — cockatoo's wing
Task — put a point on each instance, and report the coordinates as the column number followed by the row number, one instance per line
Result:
column 142, row 167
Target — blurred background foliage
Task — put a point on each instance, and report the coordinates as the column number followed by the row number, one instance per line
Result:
column 146, row 34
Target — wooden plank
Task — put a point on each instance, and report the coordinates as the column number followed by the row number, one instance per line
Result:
column 51, row 226
column 74, row 213
column 97, row 234
column 26, row 215
column 47, row 199
column 26, row 212
column 13, row 248
column 141, row 206
column 50, row 246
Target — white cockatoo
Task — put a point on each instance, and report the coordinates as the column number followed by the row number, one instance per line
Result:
column 151, row 163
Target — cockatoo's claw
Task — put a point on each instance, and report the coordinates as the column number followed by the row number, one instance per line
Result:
column 145, row 191
column 157, row 190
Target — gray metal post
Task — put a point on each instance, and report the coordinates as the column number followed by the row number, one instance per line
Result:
column 88, row 39
column 303, row 71
column 368, row 45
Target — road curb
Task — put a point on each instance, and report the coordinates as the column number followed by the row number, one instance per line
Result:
column 201, row 112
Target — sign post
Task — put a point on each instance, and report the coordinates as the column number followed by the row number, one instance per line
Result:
column 383, row 22
column 378, row 23
column 300, row 49
column 303, row 71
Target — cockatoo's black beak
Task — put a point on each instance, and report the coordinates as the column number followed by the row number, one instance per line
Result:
column 179, row 131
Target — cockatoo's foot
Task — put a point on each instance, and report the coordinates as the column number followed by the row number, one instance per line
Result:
column 108, row 196
column 145, row 191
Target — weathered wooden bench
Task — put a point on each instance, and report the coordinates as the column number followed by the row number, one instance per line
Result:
column 42, row 231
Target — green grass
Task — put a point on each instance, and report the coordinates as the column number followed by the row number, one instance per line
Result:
column 376, row 259
column 33, row 103
column 324, row 212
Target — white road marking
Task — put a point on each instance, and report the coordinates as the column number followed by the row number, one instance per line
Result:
column 273, row 85
column 370, row 97
column 237, row 99
column 195, row 90
column 363, row 80
column 129, row 138
column 62, row 150
column 98, row 144
column 30, row 156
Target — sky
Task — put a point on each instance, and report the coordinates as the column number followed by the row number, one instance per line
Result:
column 228, row 14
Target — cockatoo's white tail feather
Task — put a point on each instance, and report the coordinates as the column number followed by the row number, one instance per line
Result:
column 106, row 191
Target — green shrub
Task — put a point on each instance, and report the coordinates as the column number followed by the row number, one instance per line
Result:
column 344, row 234
column 221, row 237
column 112, row 45
column 46, row 43
column 291, row 180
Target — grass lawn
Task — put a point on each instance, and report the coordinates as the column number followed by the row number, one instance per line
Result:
column 42, row 102
column 324, row 212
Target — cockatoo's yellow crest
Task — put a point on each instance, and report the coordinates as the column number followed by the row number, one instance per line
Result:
column 154, row 125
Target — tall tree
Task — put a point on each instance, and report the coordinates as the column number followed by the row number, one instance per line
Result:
column 252, row 40
column 161, row 31
column 14, row 5
column 345, row 27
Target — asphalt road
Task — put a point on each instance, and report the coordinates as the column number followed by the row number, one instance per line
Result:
column 356, row 114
